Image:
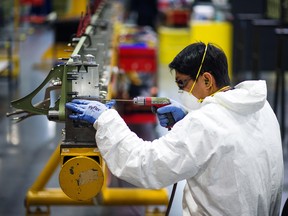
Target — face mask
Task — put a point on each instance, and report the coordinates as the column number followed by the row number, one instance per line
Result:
column 189, row 101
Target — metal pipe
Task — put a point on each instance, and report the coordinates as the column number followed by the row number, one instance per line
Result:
column 132, row 196
column 52, row 196
column 47, row 172
column 108, row 197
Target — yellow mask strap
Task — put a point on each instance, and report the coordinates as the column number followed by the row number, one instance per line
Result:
column 198, row 72
column 225, row 88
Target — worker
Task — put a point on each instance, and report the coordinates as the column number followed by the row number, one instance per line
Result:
column 226, row 140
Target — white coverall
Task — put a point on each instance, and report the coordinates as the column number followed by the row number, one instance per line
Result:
column 229, row 151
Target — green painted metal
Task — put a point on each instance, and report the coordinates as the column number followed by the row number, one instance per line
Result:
column 25, row 103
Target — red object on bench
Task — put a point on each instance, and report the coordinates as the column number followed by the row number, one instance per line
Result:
column 137, row 59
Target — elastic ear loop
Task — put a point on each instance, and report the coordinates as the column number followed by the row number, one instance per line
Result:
column 198, row 73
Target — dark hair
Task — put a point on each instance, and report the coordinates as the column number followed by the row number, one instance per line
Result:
column 189, row 59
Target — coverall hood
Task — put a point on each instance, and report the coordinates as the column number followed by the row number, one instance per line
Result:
column 247, row 97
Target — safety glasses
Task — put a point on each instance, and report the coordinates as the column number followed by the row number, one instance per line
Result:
column 182, row 83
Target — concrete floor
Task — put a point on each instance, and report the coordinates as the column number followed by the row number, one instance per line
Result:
column 25, row 147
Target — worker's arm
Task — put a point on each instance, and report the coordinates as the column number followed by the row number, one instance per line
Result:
column 155, row 164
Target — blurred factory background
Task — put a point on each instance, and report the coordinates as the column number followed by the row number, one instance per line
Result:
column 134, row 41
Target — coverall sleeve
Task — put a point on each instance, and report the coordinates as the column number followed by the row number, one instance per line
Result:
column 155, row 164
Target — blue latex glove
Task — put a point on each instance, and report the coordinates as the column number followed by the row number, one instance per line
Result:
column 176, row 109
column 87, row 110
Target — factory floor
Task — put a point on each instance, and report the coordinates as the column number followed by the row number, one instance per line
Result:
column 25, row 147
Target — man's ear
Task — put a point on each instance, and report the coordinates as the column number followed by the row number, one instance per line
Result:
column 208, row 79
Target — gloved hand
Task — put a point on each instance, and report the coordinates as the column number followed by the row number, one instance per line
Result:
column 176, row 109
column 87, row 110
